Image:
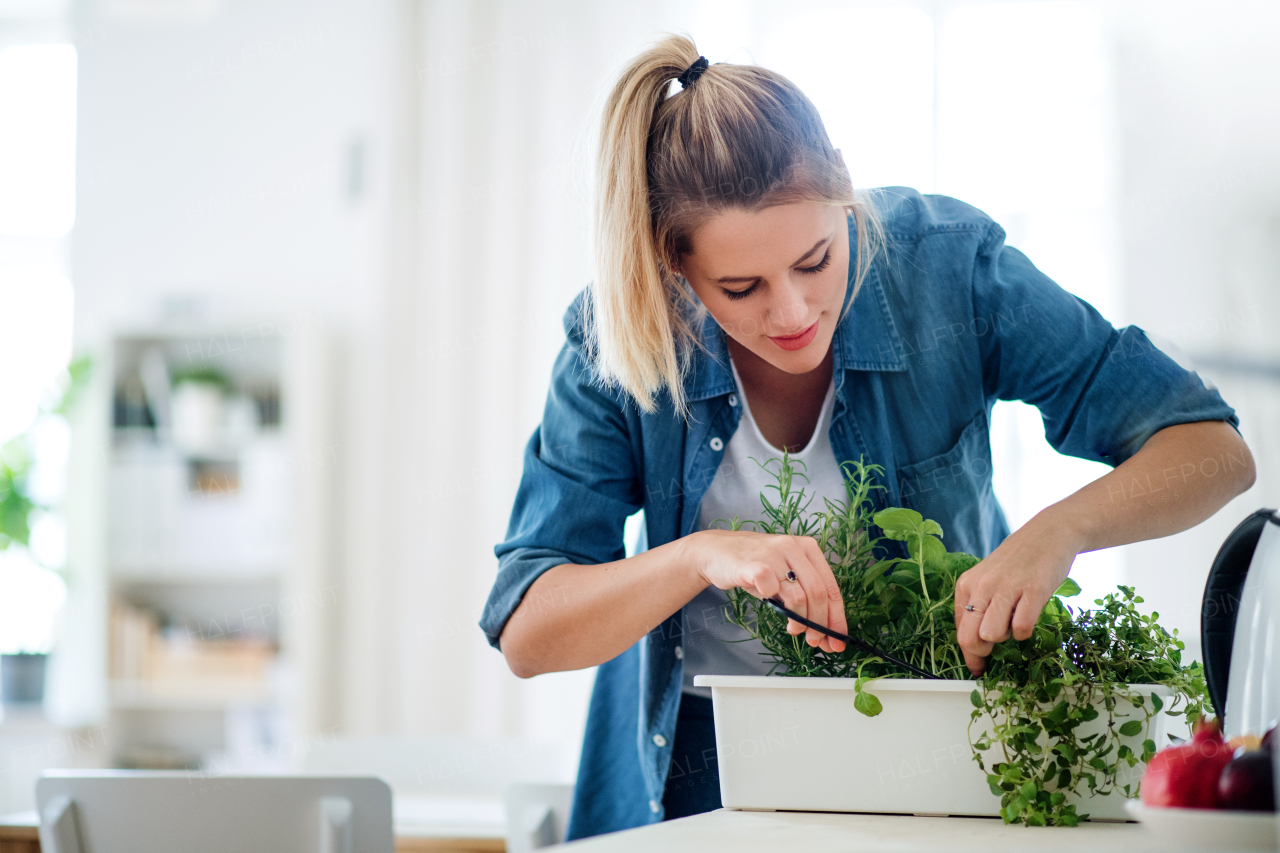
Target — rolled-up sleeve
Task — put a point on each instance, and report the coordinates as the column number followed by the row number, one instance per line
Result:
column 579, row 484
column 1101, row 391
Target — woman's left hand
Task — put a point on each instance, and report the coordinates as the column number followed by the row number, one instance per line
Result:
column 1009, row 589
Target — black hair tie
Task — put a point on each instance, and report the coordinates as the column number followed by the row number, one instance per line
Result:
column 693, row 72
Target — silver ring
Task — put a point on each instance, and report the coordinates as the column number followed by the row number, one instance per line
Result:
column 791, row 576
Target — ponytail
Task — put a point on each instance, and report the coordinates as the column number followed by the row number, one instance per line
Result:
column 739, row 136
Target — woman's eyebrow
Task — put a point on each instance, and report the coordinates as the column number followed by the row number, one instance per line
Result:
column 729, row 279
column 815, row 248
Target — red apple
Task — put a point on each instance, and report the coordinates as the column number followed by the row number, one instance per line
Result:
column 1248, row 782
column 1186, row 776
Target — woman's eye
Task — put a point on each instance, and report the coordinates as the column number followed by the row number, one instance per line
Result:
column 740, row 294
column 820, row 265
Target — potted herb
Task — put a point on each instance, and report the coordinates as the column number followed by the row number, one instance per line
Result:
column 1056, row 730
column 24, row 648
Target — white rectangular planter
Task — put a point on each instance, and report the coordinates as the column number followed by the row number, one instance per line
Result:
column 798, row 744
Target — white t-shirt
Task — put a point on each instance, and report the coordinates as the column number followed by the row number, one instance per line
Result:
column 709, row 641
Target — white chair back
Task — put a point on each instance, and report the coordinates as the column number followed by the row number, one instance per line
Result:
column 537, row 816
column 121, row 811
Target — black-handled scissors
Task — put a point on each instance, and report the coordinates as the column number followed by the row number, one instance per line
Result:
column 857, row 644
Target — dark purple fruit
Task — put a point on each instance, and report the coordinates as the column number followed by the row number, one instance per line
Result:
column 1248, row 783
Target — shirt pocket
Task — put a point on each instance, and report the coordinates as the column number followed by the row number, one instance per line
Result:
column 954, row 489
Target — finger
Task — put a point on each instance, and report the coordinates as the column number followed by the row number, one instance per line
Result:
column 975, row 656
column 1027, row 614
column 835, row 600
column 794, row 596
column 972, row 645
column 760, row 580
column 814, row 590
column 995, row 622
column 963, row 597
column 977, row 664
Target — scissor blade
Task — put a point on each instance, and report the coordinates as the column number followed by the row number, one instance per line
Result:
column 861, row 645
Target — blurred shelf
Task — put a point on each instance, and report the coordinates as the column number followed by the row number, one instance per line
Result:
column 202, row 695
column 218, row 528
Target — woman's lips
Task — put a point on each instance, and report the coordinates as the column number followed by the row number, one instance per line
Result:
column 797, row 341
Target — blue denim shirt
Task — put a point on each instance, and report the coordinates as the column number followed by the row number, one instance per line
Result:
column 948, row 321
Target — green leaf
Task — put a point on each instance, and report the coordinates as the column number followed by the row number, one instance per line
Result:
column 958, row 562
column 897, row 520
column 1058, row 714
column 867, row 703
column 935, row 553
column 1157, row 702
column 1131, row 728
column 976, row 698
column 905, row 576
column 931, row 527
column 1068, row 588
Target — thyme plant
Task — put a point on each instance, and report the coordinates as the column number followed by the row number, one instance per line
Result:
column 1033, row 730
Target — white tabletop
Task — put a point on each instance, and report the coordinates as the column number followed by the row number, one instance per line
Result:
column 818, row 832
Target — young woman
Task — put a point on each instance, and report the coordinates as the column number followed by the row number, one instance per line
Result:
column 748, row 301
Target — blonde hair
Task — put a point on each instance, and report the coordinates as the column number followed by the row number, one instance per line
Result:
column 738, row 137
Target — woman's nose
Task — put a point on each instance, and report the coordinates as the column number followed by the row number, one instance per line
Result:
column 788, row 309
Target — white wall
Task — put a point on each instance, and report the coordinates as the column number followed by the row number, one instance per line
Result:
column 214, row 160
column 1200, row 218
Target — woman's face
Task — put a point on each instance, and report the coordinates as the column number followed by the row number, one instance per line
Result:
column 774, row 279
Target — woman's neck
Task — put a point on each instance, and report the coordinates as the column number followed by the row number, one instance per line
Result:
column 786, row 406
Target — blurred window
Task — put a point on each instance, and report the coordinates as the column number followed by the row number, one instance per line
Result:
column 37, row 209
column 870, row 73
column 1005, row 106
column 37, row 139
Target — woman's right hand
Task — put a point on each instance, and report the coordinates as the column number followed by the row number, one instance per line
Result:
column 759, row 562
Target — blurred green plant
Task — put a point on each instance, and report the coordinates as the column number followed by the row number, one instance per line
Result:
column 16, row 459
column 15, row 505
column 203, row 374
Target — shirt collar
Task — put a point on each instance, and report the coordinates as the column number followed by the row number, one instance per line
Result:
column 865, row 339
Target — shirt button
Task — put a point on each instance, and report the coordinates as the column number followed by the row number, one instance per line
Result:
column 653, row 806
column 717, row 444
column 679, row 652
column 659, row 741
column 733, row 399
